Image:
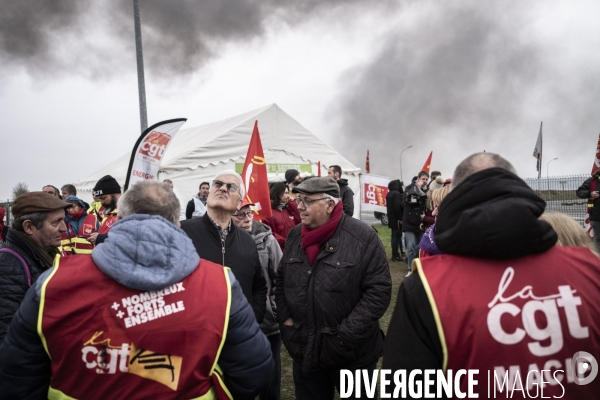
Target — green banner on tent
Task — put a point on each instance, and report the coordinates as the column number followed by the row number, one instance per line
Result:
column 279, row 168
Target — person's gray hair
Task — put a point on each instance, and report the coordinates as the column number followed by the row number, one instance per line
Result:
column 37, row 219
column 150, row 197
column 237, row 176
column 478, row 162
column 335, row 199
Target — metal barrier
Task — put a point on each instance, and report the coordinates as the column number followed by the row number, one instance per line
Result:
column 559, row 193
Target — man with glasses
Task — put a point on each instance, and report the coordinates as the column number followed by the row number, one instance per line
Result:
column 333, row 285
column 218, row 240
column 269, row 254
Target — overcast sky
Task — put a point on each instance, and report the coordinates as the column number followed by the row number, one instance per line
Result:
column 455, row 77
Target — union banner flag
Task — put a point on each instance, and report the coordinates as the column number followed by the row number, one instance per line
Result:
column 368, row 164
column 255, row 178
column 427, row 165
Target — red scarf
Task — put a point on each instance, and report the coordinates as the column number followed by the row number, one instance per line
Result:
column 312, row 240
column 77, row 215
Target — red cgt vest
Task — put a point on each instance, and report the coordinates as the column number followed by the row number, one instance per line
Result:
column 107, row 222
column 513, row 319
column 108, row 341
column 73, row 244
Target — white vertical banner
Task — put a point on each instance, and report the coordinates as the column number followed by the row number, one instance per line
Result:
column 373, row 189
column 149, row 151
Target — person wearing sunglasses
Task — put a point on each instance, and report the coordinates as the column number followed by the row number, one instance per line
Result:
column 219, row 240
column 269, row 254
column 332, row 286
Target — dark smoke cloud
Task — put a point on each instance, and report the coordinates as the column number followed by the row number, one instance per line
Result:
column 461, row 78
column 179, row 36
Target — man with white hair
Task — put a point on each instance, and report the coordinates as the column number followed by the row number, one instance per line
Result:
column 217, row 239
column 141, row 317
column 333, row 285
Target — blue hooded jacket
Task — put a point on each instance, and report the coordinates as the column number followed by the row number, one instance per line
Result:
column 142, row 252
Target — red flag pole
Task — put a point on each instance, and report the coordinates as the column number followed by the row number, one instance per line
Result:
column 368, row 164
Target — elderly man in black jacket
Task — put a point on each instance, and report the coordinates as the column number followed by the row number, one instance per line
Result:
column 333, row 285
column 30, row 247
column 218, row 240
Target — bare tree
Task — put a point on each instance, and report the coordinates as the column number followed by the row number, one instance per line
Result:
column 19, row 189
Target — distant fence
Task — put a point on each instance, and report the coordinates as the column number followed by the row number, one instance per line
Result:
column 559, row 193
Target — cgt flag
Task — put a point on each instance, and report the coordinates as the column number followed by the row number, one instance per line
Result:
column 537, row 152
column 149, row 151
column 368, row 164
column 427, row 165
column 255, row 177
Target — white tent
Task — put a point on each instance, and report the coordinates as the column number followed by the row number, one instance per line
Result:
column 198, row 154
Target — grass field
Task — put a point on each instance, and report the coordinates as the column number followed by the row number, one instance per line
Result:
column 398, row 271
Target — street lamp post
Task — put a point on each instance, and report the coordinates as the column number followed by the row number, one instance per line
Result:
column 406, row 148
column 548, row 177
column 548, row 165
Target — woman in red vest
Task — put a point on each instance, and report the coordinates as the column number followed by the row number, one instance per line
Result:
column 80, row 225
column 285, row 213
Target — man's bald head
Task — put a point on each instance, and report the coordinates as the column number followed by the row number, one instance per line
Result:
column 478, row 162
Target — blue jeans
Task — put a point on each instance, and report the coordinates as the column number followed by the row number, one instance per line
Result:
column 273, row 391
column 321, row 385
column 412, row 246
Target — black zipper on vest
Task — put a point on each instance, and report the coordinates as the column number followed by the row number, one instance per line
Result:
column 223, row 249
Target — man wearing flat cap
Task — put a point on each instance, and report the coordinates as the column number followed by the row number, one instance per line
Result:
column 333, row 285
column 30, row 247
column 108, row 193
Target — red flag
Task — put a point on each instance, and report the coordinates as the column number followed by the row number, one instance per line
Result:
column 427, row 165
column 368, row 165
column 255, row 177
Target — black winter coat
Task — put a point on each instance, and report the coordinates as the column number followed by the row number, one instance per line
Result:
column 239, row 253
column 584, row 192
column 347, row 196
column 13, row 278
column 335, row 304
column 411, row 220
column 394, row 203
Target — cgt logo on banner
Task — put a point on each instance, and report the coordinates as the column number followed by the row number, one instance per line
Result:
column 374, row 190
column 153, row 147
column 149, row 150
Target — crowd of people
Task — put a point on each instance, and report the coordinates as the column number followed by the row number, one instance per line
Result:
column 121, row 298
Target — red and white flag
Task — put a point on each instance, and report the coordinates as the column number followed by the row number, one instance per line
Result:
column 368, row 164
column 427, row 165
column 149, row 151
column 255, row 177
